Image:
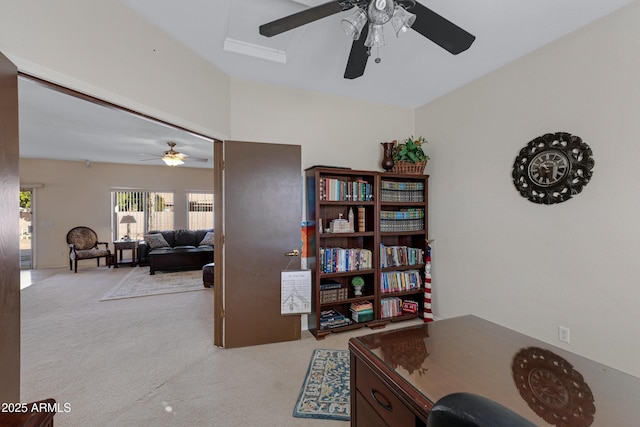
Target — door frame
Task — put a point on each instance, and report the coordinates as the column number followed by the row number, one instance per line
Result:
column 9, row 235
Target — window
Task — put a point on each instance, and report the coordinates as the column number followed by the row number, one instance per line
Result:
column 137, row 212
column 200, row 211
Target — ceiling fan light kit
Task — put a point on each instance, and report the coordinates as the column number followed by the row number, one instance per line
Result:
column 173, row 158
column 172, row 161
column 403, row 14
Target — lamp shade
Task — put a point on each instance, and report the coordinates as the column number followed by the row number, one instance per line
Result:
column 354, row 24
column 375, row 38
column 128, row 219
column 402, row 20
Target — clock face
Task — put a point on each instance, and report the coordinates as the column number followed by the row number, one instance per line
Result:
column 552, row 168
column 548, row 168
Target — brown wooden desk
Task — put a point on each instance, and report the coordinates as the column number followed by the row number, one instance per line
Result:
column 397, row 376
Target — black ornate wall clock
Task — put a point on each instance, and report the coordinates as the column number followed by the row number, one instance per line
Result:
column 552, row 168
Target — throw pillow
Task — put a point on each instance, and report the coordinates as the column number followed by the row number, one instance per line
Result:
column 208, row 239
column 156, row 241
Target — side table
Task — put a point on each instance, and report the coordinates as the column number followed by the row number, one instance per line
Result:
column 122, row 245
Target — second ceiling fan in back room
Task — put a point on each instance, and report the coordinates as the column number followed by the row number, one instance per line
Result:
column 365, row 26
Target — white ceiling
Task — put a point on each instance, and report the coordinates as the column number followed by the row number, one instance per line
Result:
column 413, row 70
column 55, row 125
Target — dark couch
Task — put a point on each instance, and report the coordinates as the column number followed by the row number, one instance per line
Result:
column 175, row 250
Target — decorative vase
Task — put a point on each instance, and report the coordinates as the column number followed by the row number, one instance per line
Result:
column 357, row 290
column 387, row 160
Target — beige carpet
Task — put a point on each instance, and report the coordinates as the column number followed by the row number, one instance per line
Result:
column 139, row 283
column 151, row 361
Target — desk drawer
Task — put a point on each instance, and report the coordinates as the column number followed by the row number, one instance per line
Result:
column 384, row 402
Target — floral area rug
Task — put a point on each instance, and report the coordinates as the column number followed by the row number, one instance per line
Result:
column 325, row 391
column 139, row 283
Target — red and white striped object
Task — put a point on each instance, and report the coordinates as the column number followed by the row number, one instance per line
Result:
column 427, row 313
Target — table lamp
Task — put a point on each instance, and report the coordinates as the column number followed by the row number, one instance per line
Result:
column 128, row 219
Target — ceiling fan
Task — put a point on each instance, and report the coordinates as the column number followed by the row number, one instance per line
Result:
column 172, row 157
column 403, row 14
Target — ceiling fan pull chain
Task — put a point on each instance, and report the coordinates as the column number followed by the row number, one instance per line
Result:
column 378, row 59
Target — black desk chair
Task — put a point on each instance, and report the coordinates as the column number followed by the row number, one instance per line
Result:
column 471, row 410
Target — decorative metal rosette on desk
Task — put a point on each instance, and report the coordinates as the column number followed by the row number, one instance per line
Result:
column 552, row 388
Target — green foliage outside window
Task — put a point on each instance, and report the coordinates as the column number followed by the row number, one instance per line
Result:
column 25, row 200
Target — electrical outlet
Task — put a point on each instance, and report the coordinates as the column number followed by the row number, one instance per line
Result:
column 563, row 334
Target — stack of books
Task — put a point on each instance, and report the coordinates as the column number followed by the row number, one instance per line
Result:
column 330, row 319
column 330, row 291
column 361, row 311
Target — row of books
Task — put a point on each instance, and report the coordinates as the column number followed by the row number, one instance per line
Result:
column 331, row 290
column 398, row 281
column 333, row 189
column 403, row 214
column 399, row 225
column 402, row 186
column 393, row 256
column 390, row 307
column 402, row 196
column 394, row 306
column 338, row 260
column 330, row 319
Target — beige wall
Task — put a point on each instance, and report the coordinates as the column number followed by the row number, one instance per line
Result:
column 331, row 130
column 74, row 195
column 529, row 266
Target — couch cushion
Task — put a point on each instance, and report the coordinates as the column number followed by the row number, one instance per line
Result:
column 207, row 240
column 185, row 238
column 169, row 236
column 156, row 241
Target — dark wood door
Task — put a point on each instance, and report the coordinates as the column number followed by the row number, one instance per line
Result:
column 9, row 234
column 262, row 215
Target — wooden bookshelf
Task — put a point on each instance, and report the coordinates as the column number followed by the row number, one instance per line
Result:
column 340, row 251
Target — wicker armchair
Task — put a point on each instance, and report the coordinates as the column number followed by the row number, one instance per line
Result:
column 83, row 244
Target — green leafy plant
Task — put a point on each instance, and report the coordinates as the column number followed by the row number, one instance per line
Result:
column 357, row 281
column 410, row 151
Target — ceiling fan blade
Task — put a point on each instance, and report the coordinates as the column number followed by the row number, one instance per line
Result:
column 301, row 18
column 197, row 159
column 357, row 57
column 441, row 31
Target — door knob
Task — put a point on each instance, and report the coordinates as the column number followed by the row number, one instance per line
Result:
column 294, row 252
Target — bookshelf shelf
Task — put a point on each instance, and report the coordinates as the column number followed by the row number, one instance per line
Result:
column 343, row 235
column 364, row 203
